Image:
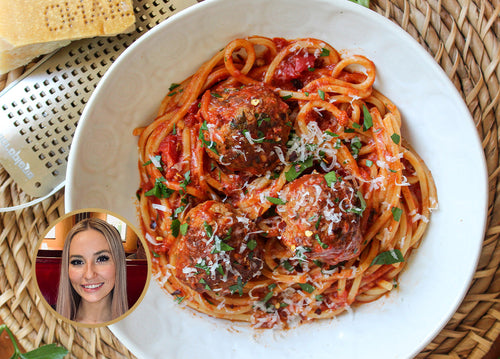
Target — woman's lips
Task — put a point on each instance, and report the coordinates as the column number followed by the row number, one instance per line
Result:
column 92, row 287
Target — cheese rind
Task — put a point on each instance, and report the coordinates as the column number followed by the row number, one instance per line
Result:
column 32, row 28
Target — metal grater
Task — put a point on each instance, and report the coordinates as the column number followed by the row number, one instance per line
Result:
column 40, row 112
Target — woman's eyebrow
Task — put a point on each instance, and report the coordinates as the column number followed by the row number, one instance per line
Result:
column 104, row 251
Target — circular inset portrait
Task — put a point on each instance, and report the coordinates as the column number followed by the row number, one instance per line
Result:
column 91, row 267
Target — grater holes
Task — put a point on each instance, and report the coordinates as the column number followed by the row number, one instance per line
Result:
column 16, row 123
column 37, row 184
column 55, row 173
column 27, row 89
column 10, row 115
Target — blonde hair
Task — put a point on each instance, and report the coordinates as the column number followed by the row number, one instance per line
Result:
column 67, row 299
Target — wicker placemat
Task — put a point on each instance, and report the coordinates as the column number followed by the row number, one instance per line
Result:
column 463, row 37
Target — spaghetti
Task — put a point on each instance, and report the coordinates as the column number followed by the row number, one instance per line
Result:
column 276, row 187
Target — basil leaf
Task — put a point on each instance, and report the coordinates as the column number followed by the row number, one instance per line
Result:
column 396, row 213
column 49, row 351
column 184, row 228
column 175, row 227
column 331, row 178
column 306, row 287
column 388, row 257
column 396, row 138
column 367, row 119
column 274, row 200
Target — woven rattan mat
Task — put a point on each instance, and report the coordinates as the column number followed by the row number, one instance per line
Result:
column 463, row 37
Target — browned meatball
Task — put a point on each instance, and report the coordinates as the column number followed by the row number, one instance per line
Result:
column 324, row 221
column 217, row 251
column 245, row 125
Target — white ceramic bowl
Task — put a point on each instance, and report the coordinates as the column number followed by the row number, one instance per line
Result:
column 102, row 172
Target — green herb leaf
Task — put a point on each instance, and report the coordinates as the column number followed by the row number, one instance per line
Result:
column 179, row 299
column 173, row 86
column 330, row 133
column 323, row 245
column 160, row 190
column 252, row 244
column 367, row 119
column 389, row 257
column 238, row 287
column 330, row 178
column 208, row 229
column 297, row 168
column 396, row 138
column 203, row 281
column 49, row 351
column 274, row 200
column 175, row 227
column 184, row 228
column 365, row 3
column 286, row 264
column 396, row 213
column 359, row 210
column 306, row 287
column 324, row 52
column 321, row 94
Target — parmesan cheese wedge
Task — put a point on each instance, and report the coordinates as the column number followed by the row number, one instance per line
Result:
column 30, row 28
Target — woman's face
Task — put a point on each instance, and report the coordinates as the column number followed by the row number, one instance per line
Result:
column 91, row 266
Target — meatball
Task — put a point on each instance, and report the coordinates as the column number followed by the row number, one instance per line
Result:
column 323, row 220
column 245, row 125
column 218, row 249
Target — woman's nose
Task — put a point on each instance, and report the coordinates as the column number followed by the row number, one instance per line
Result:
column 89, row 271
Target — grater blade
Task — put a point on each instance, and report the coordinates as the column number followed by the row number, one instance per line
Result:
column 39, row 113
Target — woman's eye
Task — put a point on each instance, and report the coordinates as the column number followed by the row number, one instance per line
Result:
column 76, row 262
column 102, row 258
